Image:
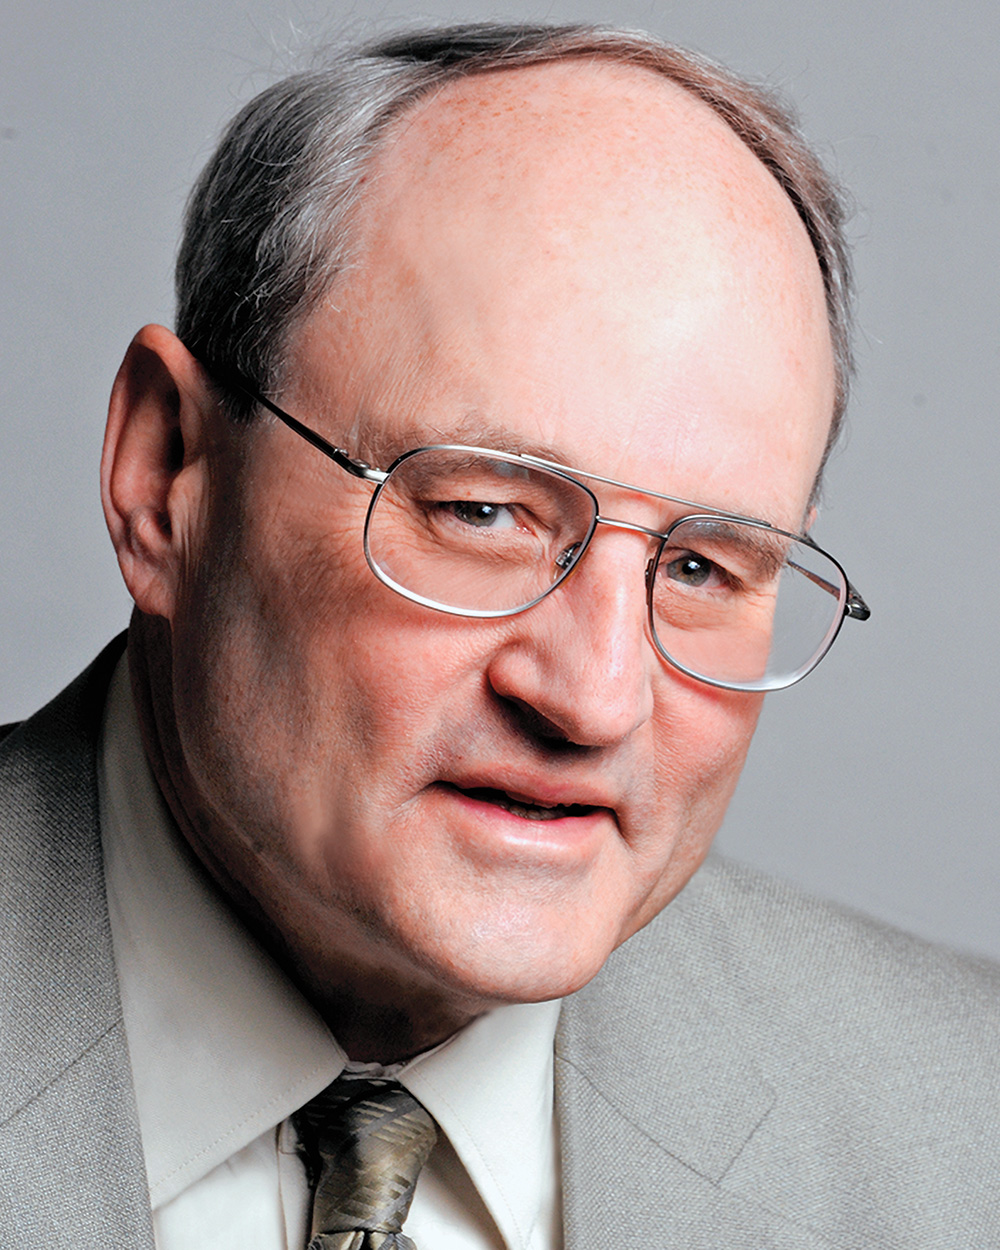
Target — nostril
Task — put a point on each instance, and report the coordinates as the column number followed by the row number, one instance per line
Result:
column 530, row 722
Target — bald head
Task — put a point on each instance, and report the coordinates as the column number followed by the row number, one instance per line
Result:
column 582, row 222
column 260, row 252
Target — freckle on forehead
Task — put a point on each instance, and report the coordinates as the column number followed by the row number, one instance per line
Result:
column 568, row 151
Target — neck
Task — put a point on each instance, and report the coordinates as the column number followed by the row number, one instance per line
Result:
column 374, row 1031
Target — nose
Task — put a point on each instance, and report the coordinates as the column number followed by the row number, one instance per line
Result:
column 578, row 665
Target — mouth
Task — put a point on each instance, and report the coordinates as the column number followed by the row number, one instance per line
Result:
column 527, row 809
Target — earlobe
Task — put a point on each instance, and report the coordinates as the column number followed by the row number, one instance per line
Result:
column 152, row 467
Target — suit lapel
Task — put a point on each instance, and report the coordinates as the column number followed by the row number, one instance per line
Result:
column 656, row 1098
column 70, row 1140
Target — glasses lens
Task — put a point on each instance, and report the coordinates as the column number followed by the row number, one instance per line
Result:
column 743, row 605
column 475, row 533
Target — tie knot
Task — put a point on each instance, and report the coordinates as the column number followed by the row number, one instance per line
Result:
column 364, row 1142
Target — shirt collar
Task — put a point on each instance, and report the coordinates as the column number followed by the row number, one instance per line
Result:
column 503, row 1127
column 224, row 1047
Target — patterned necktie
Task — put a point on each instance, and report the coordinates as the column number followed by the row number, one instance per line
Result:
column 364, row 1143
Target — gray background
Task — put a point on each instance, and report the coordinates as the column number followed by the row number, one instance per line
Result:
column 874, row 782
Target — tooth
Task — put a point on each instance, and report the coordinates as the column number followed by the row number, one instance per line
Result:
column 528, row 809
column 534, row 811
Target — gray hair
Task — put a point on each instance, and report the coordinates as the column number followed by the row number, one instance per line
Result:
column 267, row 229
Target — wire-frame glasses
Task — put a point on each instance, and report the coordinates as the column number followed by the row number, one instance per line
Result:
column 732, row 601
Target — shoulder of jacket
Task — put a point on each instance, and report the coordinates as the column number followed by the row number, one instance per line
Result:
column 772, row 955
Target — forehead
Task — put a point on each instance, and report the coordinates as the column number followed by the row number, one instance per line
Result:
column 586, row 256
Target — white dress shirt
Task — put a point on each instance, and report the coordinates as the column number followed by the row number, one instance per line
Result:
column 224, row 1048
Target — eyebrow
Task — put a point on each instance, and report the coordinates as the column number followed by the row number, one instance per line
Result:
column 384, row 447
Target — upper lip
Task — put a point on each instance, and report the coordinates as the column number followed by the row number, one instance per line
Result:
column 533, row 789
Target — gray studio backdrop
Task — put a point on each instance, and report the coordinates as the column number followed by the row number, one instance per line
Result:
column 875, row 782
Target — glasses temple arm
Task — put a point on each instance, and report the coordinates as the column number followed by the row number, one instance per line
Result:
column 357, row 468
column 854, row 605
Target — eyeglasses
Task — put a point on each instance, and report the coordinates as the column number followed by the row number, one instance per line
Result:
column 732, row 601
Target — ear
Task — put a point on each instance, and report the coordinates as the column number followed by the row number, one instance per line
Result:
column 153, row 470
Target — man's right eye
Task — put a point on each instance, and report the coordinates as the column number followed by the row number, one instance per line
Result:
column 479, row 513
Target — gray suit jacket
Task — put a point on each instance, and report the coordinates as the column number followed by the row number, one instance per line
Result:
column 753, row 1070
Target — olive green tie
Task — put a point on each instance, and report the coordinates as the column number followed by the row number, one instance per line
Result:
column 364, row 1143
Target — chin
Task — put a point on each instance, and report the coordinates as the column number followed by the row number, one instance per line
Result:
column 526, row 966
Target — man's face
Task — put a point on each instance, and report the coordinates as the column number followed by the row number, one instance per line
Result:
column 576, row 259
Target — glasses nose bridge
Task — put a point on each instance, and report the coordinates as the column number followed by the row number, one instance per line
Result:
column 618, row 524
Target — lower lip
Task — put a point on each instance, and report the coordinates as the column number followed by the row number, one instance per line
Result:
column 492, row 828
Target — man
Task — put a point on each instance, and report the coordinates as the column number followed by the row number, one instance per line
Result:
column 464, row 520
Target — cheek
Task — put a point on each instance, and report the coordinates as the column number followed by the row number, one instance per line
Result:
column 413, row 697
column 717, row 746
column 308, row 688
column 701, row 746
column 255, row 644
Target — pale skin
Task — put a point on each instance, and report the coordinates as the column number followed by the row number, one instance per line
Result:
column 576, row 258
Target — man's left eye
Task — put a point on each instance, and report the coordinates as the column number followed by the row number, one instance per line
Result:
column 693, row 570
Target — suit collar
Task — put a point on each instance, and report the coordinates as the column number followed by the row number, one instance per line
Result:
column 656, row 1096
column 646, row 1038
